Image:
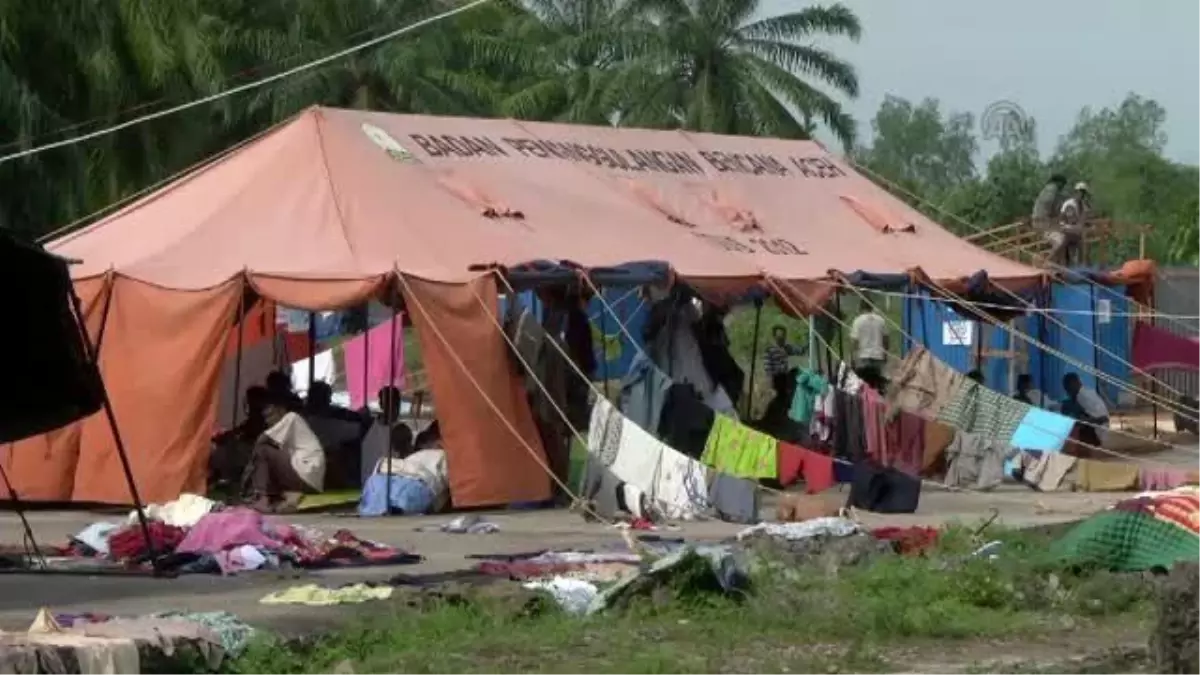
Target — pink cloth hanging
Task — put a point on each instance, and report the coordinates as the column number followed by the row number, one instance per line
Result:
column 1154, row 347
column 376, row 373
column 874, row 410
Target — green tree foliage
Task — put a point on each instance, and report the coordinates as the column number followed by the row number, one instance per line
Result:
column 1117, row 151
column 68, row 67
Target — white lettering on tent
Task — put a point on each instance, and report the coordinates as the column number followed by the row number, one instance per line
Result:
column 390, row 145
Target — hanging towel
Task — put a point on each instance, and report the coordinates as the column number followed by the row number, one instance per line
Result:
column 815, row 467
column 643, row 393
column 1154, row 348
column 790, row 461
column 681, row 489
column 1100, row 476
column 979, row 410
column 604, row 431
column 922, row 385
column 638, row 457
column 874, row 411
column 904, row 446
column 377, row 371
column 1047, row 470
column 733, row 499
column 738, row 450
column 1043, row 431
column 938, row 437
column 976, row 462
column 809, row 388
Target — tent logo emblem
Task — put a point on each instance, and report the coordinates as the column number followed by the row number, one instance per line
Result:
column 389, row 144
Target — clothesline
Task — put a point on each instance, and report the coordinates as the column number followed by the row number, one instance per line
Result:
column 1047, row 431
column 1047, row 310
column 1170, row 405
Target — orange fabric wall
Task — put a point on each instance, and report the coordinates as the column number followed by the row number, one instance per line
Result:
column 488, row 464
column 161, row 360
column 42, row 468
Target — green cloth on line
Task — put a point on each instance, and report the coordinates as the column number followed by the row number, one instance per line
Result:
column 738, row 450
column 1127, row 538
column 809, row 386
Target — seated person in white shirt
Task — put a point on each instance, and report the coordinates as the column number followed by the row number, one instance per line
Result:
column 287, row 460
column 419, row 479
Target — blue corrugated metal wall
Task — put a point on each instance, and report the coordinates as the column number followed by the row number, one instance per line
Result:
column 924, row 317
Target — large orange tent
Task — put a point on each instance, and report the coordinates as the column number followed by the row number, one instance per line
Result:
column 335, row 206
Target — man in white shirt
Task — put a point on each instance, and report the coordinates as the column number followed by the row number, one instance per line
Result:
column 287, row 462
column 419, row 480
column 869, row 339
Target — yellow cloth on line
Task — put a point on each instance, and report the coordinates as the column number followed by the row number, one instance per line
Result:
column 1098, row 476
column 738, row 450
column 319, row 596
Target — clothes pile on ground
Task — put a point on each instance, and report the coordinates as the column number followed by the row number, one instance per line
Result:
column 832, row 542
column 587, row 583
column 197, row 535
column 91, row 644
column 1151, row 531
column 320, row 596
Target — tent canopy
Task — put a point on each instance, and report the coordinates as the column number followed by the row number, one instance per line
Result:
column 333, row 206
column 350, row 195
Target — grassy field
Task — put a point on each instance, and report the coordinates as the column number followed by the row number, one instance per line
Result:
column 942, row 612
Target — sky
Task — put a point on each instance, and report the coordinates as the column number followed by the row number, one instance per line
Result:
column 1050, row 57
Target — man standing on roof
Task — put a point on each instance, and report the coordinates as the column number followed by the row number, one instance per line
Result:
column 1073, row 218
column 1046, row 209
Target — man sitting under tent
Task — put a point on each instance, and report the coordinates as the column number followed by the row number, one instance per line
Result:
column 340, row 432
column 231, row 448
column 1085, row 405
column 287, row 462
column 418, row 483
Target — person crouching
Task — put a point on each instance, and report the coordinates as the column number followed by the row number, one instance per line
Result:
column 287, row 460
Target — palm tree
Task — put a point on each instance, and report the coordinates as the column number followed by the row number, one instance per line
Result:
column 426, row 72
column 559, row 59
column 710, row 65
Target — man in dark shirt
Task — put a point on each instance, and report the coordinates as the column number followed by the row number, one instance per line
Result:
column 776, row 357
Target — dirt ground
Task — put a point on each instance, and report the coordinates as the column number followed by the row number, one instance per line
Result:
column 22, row 594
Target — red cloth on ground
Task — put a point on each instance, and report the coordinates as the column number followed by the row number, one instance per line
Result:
column 129, row 542
column 1154, row 347
column 908, row 540
column 816, row 468
column 904, row 448
column 790, row 460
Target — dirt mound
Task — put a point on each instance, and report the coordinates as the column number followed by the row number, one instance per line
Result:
column 1173, row 644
